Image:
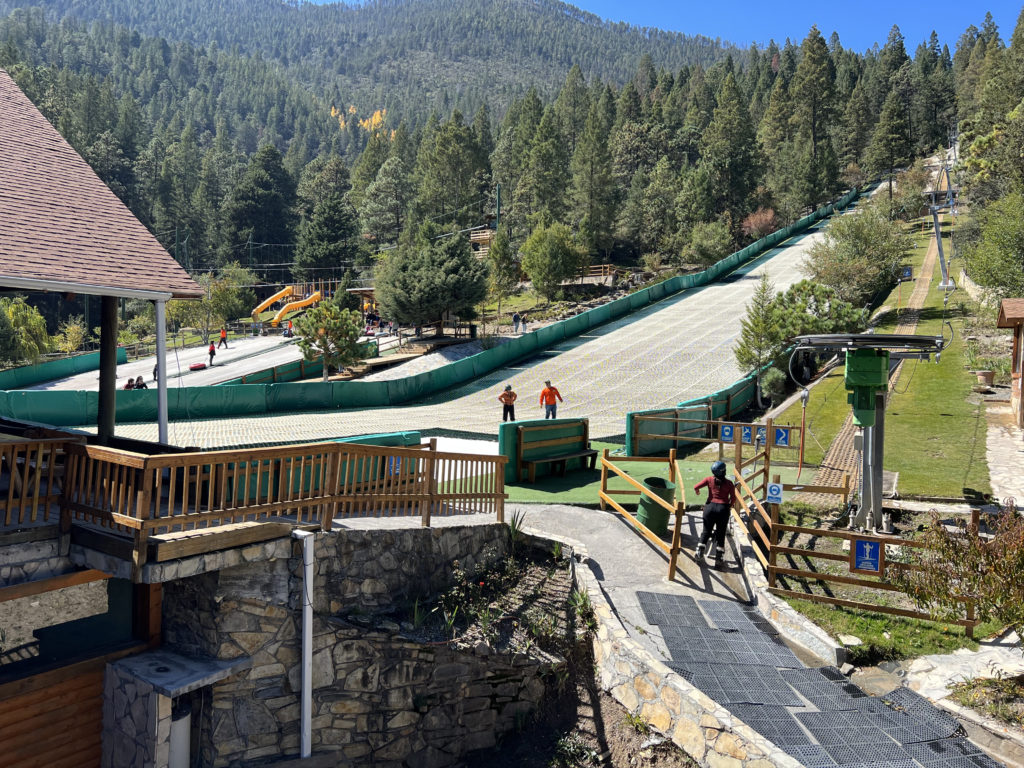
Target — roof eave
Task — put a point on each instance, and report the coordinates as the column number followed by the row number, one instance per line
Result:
column 59, row 286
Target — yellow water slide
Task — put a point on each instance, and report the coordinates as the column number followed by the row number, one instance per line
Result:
column 283, row 293
column 293, row 305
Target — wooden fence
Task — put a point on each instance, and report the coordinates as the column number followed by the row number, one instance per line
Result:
column 140, row 496
column 676, row 507
column 766, row 531
column 31, row 477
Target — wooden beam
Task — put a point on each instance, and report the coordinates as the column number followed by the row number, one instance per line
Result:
column 29, row 588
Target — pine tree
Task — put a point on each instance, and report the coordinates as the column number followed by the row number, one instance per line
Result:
column 542, row 190
column 549, row 257
column 728, row 151
column 330, row 333
column 890, row 142
column 503, row 277
column 813, row 94
column 329, row 241
column 593, row 187
column 386, row 202
column 759, row 341
column 261, row 206
column 573, row 107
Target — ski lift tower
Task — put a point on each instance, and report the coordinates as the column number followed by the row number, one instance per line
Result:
column 869, row 360
column 935, row 207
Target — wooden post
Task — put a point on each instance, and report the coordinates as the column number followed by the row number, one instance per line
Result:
column 737, row 442
column 846, row 489
column 975, row 527
column 500, row 488
column 773, row 533
column 718, row 435
column 677, row 536
column 142, row 513
column 332, row 489
column 431, row 484
column 768, row 434
column 604, row 476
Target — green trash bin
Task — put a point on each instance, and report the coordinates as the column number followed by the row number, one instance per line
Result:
column 653, row 516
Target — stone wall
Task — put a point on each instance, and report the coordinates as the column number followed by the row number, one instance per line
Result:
column 136, row 721
column 378, row 697
column 32, row 555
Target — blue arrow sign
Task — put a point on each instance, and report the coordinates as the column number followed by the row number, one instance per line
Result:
column 726, row 434
column 782, row 437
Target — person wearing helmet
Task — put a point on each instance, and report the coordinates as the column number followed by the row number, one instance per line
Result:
column 716, row 512
column 508, row 402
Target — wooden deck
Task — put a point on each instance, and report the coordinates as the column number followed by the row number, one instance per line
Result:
column 168, row 506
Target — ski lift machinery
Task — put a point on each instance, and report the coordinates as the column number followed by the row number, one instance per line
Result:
column 869, row 359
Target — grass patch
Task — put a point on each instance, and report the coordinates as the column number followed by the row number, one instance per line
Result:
column 580, row 487
column 1002, row 698
column 888, row 637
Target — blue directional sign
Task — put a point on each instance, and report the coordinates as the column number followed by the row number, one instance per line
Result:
column 773, row 493
column 907, row 274
column 762, row 435
column 748, row 435
column 782, row 437
column 726, row 434
column 867, row 557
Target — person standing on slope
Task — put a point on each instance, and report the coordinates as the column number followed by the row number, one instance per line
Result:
column 508, row 401
column 547, row 399
column 716, row 512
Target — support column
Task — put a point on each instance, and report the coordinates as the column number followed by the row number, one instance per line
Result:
column 108, row 369
column 877, row 457
column 161, row 371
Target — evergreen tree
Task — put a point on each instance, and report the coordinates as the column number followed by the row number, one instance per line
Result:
column 593, row 186
column 503, row 277
column 422, row 282
column 329, row 240
column 542, row 190
column 813, row 93
column 759, row 343
column 728, row 151
column 573, row 107
column 449, row 169
column 386, row 202
column 261, row 206
column 330, row 333
column 890, row 142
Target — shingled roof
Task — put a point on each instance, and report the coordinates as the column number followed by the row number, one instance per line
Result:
column 1011, row 313
column 61, row 228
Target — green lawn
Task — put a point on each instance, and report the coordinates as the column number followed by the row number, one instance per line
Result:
column 580, row 487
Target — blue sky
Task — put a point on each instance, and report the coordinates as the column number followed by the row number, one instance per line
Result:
column 860, row 23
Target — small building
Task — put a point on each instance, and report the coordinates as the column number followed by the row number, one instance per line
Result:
column 1011, row 315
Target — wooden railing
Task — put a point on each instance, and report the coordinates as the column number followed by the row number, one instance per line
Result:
column 765, row 531
column 31, row 477
column 676, row 507
column 142, row 496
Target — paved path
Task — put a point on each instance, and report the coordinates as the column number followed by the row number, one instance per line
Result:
column 676, row 349
column 1005, row 449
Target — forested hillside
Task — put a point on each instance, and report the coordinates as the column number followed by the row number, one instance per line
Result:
column 406, row 56
column 233, row 155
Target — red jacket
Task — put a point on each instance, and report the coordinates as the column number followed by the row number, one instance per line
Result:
column 719, row 491
column 548, row 395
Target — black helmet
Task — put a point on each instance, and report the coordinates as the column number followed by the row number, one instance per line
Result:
column 718, row 469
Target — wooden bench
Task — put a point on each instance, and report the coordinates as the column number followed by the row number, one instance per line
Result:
column 576, row 447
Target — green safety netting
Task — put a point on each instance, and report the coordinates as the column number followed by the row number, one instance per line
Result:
column 30, row 375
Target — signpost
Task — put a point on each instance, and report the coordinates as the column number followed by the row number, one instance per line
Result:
column 773, row 493
column 867, row 556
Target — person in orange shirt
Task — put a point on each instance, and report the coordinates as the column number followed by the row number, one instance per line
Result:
column 547, row 399
column 223, row 338
column 508, row 400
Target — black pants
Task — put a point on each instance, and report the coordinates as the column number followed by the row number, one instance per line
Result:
column 508, row 412
column 716, row 519
column 223, row 343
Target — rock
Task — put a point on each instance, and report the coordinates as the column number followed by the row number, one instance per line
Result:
column 847, row 669
column 849, row 640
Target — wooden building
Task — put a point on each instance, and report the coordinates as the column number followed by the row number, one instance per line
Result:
column 1011, row 315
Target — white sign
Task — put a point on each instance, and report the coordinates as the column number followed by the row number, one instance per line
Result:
column 773, row 494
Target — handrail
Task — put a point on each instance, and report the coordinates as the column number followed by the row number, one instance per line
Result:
column 311, row 483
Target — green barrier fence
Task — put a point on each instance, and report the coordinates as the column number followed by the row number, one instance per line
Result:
column 63, row 409
column 508, row 437
column 30, row 375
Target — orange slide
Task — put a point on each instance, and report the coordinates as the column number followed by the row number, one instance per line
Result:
column 293, row 305
column 284, row 292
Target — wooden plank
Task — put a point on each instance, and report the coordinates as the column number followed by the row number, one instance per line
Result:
column 30, row 588
column 51, row 677
column 640, row 527
column 44, row 697
column 849, row 536
column 852, row 580
column 833, row 489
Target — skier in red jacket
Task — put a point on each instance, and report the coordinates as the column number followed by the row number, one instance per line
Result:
column 716, row 512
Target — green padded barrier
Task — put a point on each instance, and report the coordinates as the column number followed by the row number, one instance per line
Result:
column 134, row 406
column 581, row 323
column 64, row 408
column 639, row 299
column 49, row 370
column 298, row 397
column 392, row 439
column 507, row 443
column 599, row 315
column 359, row 394
column 549, row 335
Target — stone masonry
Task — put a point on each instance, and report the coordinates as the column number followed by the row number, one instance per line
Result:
column 377, row 696
column 136, row 721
